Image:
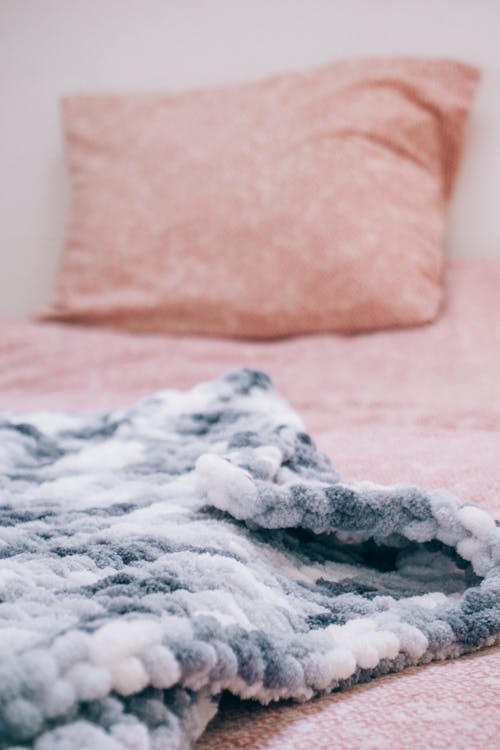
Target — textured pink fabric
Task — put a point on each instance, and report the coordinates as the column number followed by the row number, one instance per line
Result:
column 415, row 406
column 306, row 202
column 442, row 706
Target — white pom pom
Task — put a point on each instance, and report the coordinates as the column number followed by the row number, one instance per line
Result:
column 59, row 699
column 131, row 736
column 469, row 548
column 117, row 640
column 162, row 666
column 477, row 521
column 317, row 671
column 387, row 644
column 343, row 663
column 89, row 682
column 366, row 655
column 129, row 676
column 226, row 486
column 412, row 640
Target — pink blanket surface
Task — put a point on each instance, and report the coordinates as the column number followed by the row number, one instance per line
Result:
column 417, row 406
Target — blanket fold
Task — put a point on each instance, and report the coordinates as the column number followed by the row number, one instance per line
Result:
column 153, row 557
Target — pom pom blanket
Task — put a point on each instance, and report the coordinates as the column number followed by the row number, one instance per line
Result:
column 153, row 557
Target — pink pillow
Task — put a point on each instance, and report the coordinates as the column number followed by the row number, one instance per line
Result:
column 306, row 202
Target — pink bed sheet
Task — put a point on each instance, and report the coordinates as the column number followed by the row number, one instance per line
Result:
column 416, row 406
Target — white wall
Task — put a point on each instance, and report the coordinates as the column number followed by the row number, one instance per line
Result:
column 50, row 47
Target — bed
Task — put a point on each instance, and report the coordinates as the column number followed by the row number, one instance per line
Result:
column 418, row 406
column 192, row 557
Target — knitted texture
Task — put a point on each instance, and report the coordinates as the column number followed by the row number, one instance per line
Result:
column 198, row 542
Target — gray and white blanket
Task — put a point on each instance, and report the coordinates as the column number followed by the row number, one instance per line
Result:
column 154, row 557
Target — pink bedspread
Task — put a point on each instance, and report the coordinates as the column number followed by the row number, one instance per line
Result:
column 419, row 406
